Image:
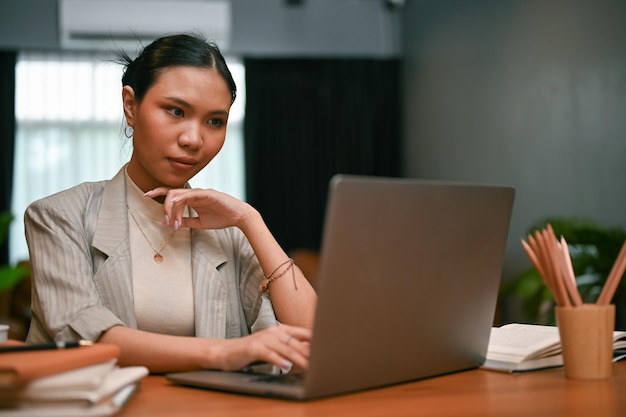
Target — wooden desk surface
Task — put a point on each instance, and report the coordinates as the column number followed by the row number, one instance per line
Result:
column 471, row 393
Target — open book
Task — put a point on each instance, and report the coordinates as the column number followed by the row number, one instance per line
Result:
column 525, row 347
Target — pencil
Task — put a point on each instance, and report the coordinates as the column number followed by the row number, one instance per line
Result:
column 547, row 241
column 569, row 276
column 535, row 260
column 606, row 295
column 44, row 346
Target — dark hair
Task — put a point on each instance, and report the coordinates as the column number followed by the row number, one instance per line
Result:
column 169, row 51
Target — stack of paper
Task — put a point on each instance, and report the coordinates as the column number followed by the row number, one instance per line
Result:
column 84, row 381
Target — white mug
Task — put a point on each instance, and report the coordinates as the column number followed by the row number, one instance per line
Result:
column 4, row 332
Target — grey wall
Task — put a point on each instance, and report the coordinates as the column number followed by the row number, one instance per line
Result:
column 530, row 93
column 346, row 28
column 28, row 24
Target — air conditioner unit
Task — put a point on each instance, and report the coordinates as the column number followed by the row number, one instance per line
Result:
column 131, row 24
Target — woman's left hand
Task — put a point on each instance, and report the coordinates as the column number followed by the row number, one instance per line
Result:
column 294, row 302
column 215, row 210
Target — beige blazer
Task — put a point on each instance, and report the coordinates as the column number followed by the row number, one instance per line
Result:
column 82, row 284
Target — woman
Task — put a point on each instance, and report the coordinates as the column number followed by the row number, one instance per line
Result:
column 179, row 278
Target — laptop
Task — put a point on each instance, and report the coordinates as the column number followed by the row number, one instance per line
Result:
column 407, row 287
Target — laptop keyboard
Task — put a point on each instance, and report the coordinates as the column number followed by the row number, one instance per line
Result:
column 284, row 379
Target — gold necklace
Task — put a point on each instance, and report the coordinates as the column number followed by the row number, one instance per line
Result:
column 158, row 258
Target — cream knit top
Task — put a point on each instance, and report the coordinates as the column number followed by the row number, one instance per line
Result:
column 163, row 292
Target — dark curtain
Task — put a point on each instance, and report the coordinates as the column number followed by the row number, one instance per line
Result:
column 308, row 119
column 7, row 136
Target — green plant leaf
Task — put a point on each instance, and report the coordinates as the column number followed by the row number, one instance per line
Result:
column 11, row 275
column 5, row 221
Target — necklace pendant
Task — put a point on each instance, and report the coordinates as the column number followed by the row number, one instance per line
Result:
column 158, row 258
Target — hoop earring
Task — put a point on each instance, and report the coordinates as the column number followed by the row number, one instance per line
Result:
column 128, row 131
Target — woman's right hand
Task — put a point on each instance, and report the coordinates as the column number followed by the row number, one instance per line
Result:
column 284, row 346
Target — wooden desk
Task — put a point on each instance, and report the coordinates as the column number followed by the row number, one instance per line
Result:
column 471, row 393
